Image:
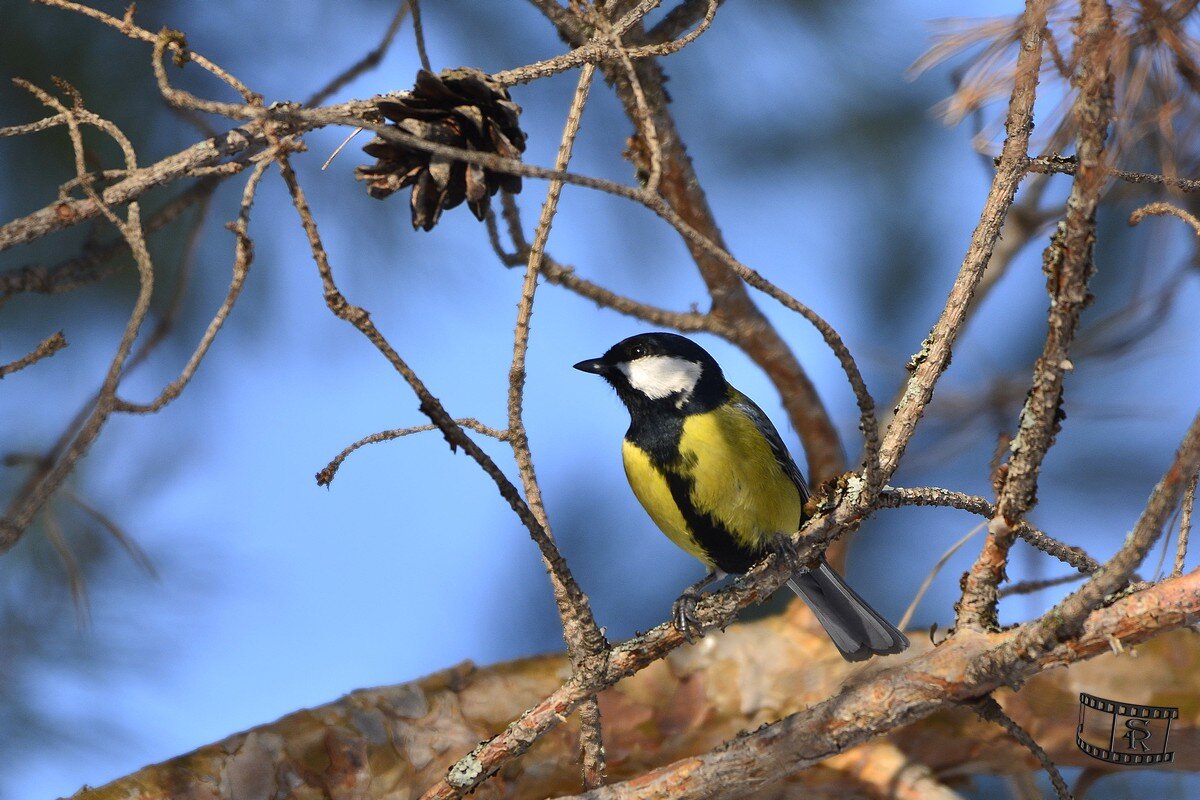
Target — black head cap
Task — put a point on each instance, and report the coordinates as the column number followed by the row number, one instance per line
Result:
column 707, row 387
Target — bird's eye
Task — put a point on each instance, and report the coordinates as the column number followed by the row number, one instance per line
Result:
column 638, row 351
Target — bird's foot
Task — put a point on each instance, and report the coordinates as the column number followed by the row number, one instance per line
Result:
column 683, row 614
column 787, row 551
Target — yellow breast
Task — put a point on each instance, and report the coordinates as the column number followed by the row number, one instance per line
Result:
column 650, row 487
column 731, row 475
column 737, row 478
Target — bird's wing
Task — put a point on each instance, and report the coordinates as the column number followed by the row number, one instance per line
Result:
column 763, row 423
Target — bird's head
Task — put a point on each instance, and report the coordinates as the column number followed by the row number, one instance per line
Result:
column 660, row 371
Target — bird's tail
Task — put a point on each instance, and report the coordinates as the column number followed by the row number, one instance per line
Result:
column 857, row 630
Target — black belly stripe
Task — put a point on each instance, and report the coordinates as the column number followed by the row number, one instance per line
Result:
column 658, row 435
column 714, row 538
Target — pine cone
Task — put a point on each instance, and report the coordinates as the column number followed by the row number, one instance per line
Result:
column 459, row 107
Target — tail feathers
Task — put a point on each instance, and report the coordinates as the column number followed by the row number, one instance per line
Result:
column 857, row 630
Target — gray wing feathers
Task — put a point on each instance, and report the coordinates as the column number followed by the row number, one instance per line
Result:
column 857, row 630
column 778, row 448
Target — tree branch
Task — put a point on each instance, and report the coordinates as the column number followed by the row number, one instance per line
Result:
column 1067, row 263
column 46, row 348
column 928, row 365
column 915, row 689
column 407, row 735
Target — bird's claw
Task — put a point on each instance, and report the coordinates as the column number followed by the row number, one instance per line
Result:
column 683, row 615
column 786, row 550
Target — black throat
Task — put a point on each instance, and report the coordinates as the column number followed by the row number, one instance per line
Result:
column 656, row 426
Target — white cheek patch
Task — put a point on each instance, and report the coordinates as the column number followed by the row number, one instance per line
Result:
column 662, row 376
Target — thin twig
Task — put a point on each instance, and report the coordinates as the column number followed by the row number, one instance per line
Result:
column 893, row 497
column 177, row 47
column 34, row 127
column 566, row 276
column 644, row 120
column 679, row 19
column 597, row 50
column 41, row 485
column 1068, row 165
column 987, row 708
column 364, row 64
column 86, row 268
column 1185, row 526
column 585, row 644
column 1030, row 587
column 173, row 40
column 937, row 567
column 419, row 34
column 243, row 256
column 167, row 319
column 48, row 347
column 1162, row 209
column 326, row 475
column 231, row 150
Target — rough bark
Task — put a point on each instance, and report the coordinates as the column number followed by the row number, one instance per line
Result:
column 395, row 741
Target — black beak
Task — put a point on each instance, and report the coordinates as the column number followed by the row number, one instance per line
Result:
column 593, row 365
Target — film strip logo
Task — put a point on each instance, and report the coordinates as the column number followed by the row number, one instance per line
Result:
column 1124, row 733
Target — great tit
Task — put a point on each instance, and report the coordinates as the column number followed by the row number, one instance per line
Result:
column 712, row 472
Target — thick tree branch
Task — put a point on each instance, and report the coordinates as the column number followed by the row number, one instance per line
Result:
column 407, row 735
column 926, row 683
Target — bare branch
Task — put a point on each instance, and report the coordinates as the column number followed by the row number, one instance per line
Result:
column 33, row 127
column 1068, row 165
column 419, row 34
column 41, row 485
column 566, row 277
column 679, row 19
column 597, row 51
column 1067, row 263
column 326, row 475
column 1029, row 587
column 1164, row 209
column 586, row 645
column 87, row 267
column 893, row 497
column 990, row 710
column 948, row 674
column 1185, row 526
column 243, row 256
column 364, row 64
column 1064, row 621
column 933, row 359
column 643, row 119
column 176, row 45
column 48, row 347
column 238, row 145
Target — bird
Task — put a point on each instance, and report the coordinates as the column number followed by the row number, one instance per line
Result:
column 714, row 475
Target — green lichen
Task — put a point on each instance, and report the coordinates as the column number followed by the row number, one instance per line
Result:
column 466, row 772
